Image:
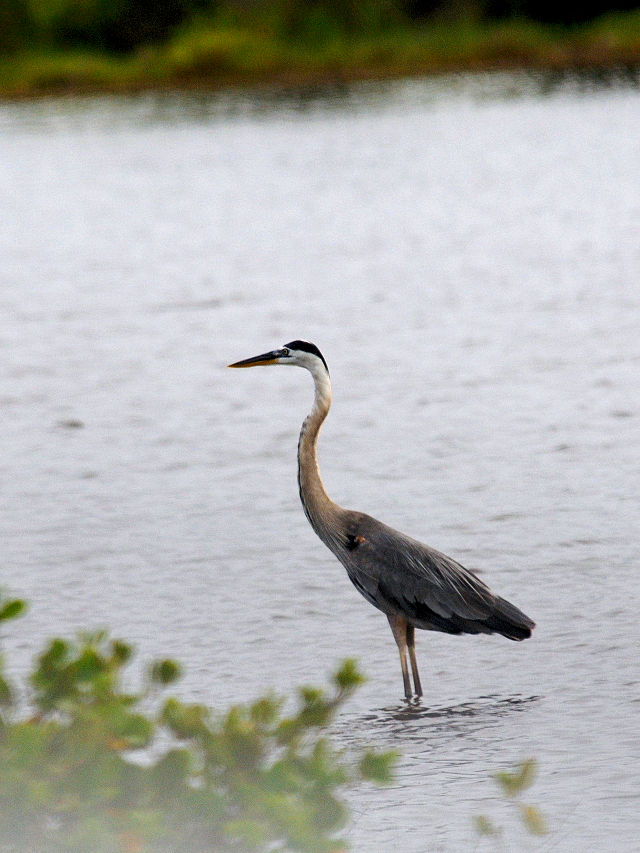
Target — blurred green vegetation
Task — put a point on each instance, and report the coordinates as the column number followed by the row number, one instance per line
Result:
column 125, row 45
column 86, row 765
column 512, row 785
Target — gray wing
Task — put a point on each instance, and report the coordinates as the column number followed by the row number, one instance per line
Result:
column 398, row 574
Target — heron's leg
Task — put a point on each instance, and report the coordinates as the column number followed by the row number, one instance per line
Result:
column 411, row 644
column 399, row 629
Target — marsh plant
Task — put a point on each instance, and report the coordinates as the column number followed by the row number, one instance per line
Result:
column 86, row 765
column 512, row 785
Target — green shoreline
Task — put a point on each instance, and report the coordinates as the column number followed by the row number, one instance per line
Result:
column 208, row 58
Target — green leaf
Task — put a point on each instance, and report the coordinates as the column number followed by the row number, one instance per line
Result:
column 251, row 833
column 378, row 766
column 11, row 609
column 311, row 696
column 56, row 653
column 165, row 671
column 6, row 694
column 533, row 819
column 484, row 826
column 89, row 665
column 348, row 677
column 171, row 772
column 185, row 721
column 514, row 783
column 122, row 652
column 265, row 710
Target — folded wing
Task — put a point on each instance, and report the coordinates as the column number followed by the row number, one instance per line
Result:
column 398, row 574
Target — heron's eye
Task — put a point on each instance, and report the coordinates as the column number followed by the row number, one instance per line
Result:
column 285, row 351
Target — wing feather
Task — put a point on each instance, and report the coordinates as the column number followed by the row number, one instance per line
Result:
column 399, row 574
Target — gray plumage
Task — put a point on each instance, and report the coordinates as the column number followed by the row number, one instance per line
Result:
column 413, row 584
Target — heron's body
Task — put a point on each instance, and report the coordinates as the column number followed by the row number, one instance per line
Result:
column 413, row 584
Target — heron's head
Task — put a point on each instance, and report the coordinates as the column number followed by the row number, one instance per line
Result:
column 297, row 353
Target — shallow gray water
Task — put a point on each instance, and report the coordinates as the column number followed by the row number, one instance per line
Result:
column 465, row 252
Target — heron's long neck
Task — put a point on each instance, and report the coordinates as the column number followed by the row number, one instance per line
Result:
column 318, row 506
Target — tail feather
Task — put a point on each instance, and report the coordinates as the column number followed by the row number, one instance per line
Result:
column 507, row 620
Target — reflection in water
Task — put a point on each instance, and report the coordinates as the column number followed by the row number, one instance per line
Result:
column 196, row 108
column 413, row 724
column 442, row 751
column 586, row 80
column 484, row 706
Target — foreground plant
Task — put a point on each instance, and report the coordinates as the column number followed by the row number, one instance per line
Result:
column 92, row 768
column 512, row 784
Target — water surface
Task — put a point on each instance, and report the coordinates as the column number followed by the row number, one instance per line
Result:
column 465, row 252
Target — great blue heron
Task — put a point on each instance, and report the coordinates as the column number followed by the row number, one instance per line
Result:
column 413, row 584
